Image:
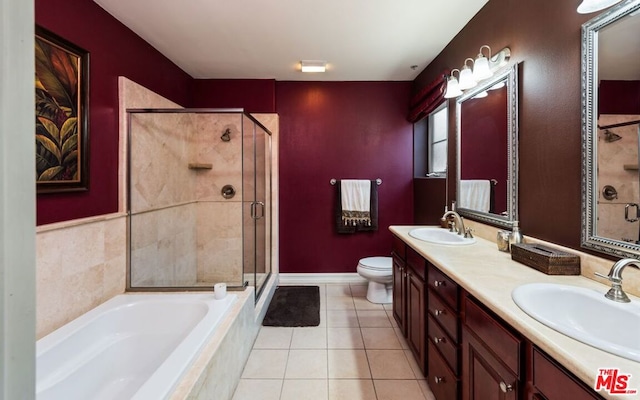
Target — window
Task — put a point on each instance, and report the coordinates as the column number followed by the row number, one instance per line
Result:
column 437, row 141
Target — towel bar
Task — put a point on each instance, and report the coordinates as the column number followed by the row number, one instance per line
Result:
column 334, row 180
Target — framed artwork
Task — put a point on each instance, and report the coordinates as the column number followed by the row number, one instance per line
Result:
column 61, row 111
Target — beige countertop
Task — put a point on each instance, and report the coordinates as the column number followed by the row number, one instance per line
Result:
column 490, row 276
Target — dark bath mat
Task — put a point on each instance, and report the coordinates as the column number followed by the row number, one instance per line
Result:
column 294, row 306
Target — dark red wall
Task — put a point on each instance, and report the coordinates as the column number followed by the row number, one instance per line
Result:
column 340, row 130
column 114, row 51
column 484, row 148
column 545, row 36
column 254, row 95
column 619, row 97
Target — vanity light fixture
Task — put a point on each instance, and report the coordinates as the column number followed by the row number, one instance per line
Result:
column 589, row 6
column 466, row 76
column 453, row 88
column 481, row 68
column 313, row 66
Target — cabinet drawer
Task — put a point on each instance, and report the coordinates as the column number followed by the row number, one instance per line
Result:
column 444, row 286
column 504, row 344
column 442, row 341
column 417, row 263
column 442, row 381
column 554, row 383
column 444, row 315
column 398, row 247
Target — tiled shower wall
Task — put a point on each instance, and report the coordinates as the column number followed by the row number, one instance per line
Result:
column 183, row 231
column 612, row 158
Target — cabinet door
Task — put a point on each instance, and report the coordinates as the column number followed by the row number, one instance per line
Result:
column 399, row 295
column 483, row 376
column 416, row 315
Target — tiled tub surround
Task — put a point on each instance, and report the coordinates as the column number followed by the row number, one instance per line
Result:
column 490, row 275
column 79, row 265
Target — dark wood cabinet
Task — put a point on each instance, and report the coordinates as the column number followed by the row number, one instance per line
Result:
column 409, row 299
column 443, row 332
column 551, row 381
column 464, row 349
column 399, row 293
column 416, row 323
column 491, row 354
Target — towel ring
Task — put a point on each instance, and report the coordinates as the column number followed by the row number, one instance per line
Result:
column 333, row 181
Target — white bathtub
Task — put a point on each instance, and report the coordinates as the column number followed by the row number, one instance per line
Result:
column 131, row 347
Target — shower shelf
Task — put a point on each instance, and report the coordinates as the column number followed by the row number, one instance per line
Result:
column 631, row 167
column 200, row 166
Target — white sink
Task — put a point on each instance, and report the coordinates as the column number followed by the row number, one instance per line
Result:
column 585, row 315
column 440, row 236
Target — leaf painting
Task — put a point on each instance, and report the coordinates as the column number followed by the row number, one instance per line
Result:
column 59, row 111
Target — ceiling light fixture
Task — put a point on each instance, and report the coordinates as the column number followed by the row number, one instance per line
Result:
column 589, row 6
column 313, row 66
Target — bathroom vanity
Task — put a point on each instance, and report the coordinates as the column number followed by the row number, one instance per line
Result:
column 454, row 306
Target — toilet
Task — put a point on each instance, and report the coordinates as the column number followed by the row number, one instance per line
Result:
column 378, row 271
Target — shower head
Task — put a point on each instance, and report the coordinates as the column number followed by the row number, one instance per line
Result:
column 610, row 136
column 226, row 135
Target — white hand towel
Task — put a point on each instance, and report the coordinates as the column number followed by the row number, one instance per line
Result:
column 475, row 194
column 356, row 201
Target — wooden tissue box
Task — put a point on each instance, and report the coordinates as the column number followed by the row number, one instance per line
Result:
column 545, row 259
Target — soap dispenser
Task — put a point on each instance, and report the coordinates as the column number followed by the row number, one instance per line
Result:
column 516, row 234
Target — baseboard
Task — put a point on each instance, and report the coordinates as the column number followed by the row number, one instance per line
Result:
column 304, row 278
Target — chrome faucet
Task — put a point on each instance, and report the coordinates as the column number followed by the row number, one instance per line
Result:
column 615, row 277
column 457, row 219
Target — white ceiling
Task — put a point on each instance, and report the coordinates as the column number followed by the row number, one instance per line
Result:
column 362, row 40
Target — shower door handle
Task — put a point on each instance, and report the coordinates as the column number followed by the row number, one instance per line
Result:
column 254, row 213
column 626, row 212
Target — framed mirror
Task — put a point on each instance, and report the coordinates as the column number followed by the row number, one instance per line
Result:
column 487, row 156
column 610, row 128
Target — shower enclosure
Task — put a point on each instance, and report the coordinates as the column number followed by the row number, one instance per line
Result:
column 199, row 199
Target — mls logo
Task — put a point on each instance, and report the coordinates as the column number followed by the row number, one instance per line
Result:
column 614, row 382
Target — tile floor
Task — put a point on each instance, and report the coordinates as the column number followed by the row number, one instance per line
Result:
column 357, row 353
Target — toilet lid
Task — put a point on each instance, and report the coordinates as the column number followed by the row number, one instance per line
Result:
column 377, row 263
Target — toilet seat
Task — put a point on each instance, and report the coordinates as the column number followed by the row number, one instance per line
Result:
column 376, row 263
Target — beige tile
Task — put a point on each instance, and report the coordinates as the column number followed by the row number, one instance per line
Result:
column 401, row 339
column 398, row 390
column 388, row 306
column 264, row 389
column 348, row 364
column 351, row 389
column 414, row 364
column 380, row 338
column 389, row 364
column 273, row 338
column 340, row 303
column 394, row 324
column 338, row 290
column 373, row 319
column 344, row 338
column 266, row 364
column 305, row 389
column 307, row 364
column 342, row 319
column 361, row 303
column 359, row 290
column 426, row 390
column 309, row 338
